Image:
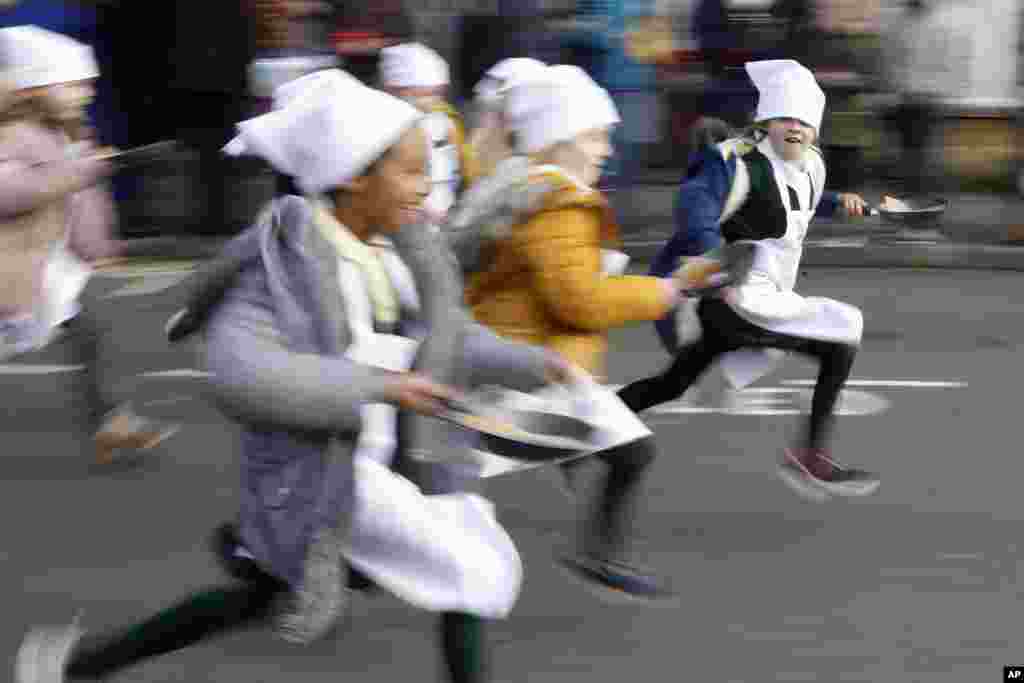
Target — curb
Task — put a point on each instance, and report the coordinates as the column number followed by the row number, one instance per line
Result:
column 865, row 254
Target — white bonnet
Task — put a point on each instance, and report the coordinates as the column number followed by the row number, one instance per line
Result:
column 412, row 65
column 504, row 74
column 787, row 90
column 32, row 57
column 556, row 106
column 325, row 130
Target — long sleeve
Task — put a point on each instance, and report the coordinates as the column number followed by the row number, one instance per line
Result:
column 258, row 380
column 93, row 221
column 563, row 250
column 698, row 207
column 828, row 206
column 493, row 360
column 34, row 173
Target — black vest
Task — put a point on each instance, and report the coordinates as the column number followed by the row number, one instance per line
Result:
column 762, row 215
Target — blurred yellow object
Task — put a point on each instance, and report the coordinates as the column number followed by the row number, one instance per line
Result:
column 650, row 39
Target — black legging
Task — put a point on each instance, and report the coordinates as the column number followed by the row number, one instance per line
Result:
column 198, row 617
column 723, row 331
column 249, row 601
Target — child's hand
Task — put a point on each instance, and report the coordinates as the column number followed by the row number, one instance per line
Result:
column 852, row 204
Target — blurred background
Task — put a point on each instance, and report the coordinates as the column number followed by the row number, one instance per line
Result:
column 924, row 95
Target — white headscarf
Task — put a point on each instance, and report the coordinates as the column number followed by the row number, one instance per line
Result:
column 326, row 129
column 412, row 65
column 787, row 90
column 32, row 57
column 556, row 106
column 503, row 74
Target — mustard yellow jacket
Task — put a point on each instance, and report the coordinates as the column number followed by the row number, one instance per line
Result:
column 544, row 285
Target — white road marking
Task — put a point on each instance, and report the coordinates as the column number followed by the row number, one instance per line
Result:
column 144, row 270
column 30, row 369
column 838, row 243
column 181, row 372
column 147, row 285
column 773, row 401
column 906, row 383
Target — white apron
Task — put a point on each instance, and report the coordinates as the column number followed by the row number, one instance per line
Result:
column 439, row 553
column 64, row 277
column 767, row 298
column 587, row 400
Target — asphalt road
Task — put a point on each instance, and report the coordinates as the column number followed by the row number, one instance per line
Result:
column 917, row 583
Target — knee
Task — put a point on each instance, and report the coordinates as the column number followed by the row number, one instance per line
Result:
column 635, row 456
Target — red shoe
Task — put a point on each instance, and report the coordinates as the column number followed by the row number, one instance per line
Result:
column 813, row 474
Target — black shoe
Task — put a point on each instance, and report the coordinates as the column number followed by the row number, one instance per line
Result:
column 617, row 581
column 227, row 547
column 358, row 581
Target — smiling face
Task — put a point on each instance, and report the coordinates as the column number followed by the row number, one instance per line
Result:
column 790, row 138
column 392, row 192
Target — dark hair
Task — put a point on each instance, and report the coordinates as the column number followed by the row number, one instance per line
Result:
column 708, row 131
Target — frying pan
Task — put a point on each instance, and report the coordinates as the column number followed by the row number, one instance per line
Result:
column 914, row 211
column 142, row 155
column 525, row 435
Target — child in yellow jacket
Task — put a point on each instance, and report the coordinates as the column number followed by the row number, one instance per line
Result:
column 548, row 274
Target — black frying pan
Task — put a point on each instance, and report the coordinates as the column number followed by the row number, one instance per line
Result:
column 916, row 211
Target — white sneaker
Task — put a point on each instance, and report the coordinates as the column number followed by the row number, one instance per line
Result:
column 44, row 654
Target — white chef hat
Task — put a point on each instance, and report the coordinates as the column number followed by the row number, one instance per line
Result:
column 787, row 89
column 504, row 74
column 326, row 129
column 412, row 65
column 556, row 106
column 31, row 57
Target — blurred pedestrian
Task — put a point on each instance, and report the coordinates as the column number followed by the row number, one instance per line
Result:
column 926, row 56
column 605, row 30
column 59, row 217
column 420, row 76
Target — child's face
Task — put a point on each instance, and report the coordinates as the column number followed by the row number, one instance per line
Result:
column 586, row 155
column 397, row 186
column 72, row 99
column 790, row 138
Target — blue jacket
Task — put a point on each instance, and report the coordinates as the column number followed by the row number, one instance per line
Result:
column 702, row 195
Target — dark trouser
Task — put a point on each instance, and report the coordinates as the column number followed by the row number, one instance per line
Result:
column 915, row 122
column 198, row 617
column 724, row 331
column 249, row 601
column 608, row 525
column 85, row 335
